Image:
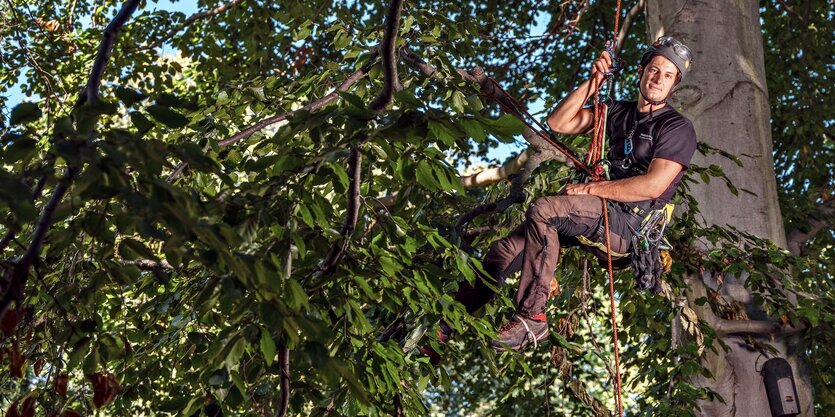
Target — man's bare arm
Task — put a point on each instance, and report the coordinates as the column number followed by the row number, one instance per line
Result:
column 570, row 117
column 659, row 176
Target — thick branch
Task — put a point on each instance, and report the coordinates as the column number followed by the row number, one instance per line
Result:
column 105, row 49
column 726, row 327
column 311, row 107
column 516, row 194
column 20, row 273
column 627, row 23
column 388, row 50
column 491, row 176
column 754, row 327
column 351, row 217
column 191, row 19
column 797, row 237
column 284, row 363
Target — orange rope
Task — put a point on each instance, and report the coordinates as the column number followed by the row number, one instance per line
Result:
column 612, row 302
column 598, row 137
column 617, row 20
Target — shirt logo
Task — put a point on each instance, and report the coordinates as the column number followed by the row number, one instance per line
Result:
column 644, row 136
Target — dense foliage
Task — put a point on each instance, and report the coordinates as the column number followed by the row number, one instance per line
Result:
column 159, row 293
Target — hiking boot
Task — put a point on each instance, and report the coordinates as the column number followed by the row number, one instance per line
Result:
column 521, row 331
column 444, row 334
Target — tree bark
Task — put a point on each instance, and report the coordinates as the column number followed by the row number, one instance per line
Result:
column 726, row 97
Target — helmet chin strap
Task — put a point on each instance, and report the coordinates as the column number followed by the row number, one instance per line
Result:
column 652, row 102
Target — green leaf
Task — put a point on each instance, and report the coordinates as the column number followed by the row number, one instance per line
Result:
column 295, row 296
column 20, row 149
column 505, row 127
column 458, row 101
column 447, row 179
column 441, row 132
column 473, row 129
column 132, row 249
column 303, row 31
column 82, row 347
column 363, row 284
column 353, row 384
column 355, row 102
column 129, row 96
column 233, row 358
column 166, row 116
column 173, row 405
column 307, row 217
column 267, row 347
column 140, row 121
column 238, row 381
column 25, row 113
column 426, row 177
column 474, row 103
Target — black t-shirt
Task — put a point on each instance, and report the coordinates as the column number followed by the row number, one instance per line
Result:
column 664, row 134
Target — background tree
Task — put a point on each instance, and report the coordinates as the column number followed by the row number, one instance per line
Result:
column 246, row 232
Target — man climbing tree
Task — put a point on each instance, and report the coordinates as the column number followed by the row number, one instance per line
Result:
column 651, row 147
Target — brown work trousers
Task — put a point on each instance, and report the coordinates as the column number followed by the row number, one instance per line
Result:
column 534, row 247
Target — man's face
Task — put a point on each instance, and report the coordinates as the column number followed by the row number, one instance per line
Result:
column 658, row 78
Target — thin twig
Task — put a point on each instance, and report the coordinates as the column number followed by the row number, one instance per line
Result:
column 191, row 19
column 791, row 11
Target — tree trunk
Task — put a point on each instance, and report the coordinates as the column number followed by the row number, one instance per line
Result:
column 726, row 97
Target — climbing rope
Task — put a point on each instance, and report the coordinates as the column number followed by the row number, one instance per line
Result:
column 513, row 107
column 598, row 143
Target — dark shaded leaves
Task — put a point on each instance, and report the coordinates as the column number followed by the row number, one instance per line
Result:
column 25, row 113
column 166, row 116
